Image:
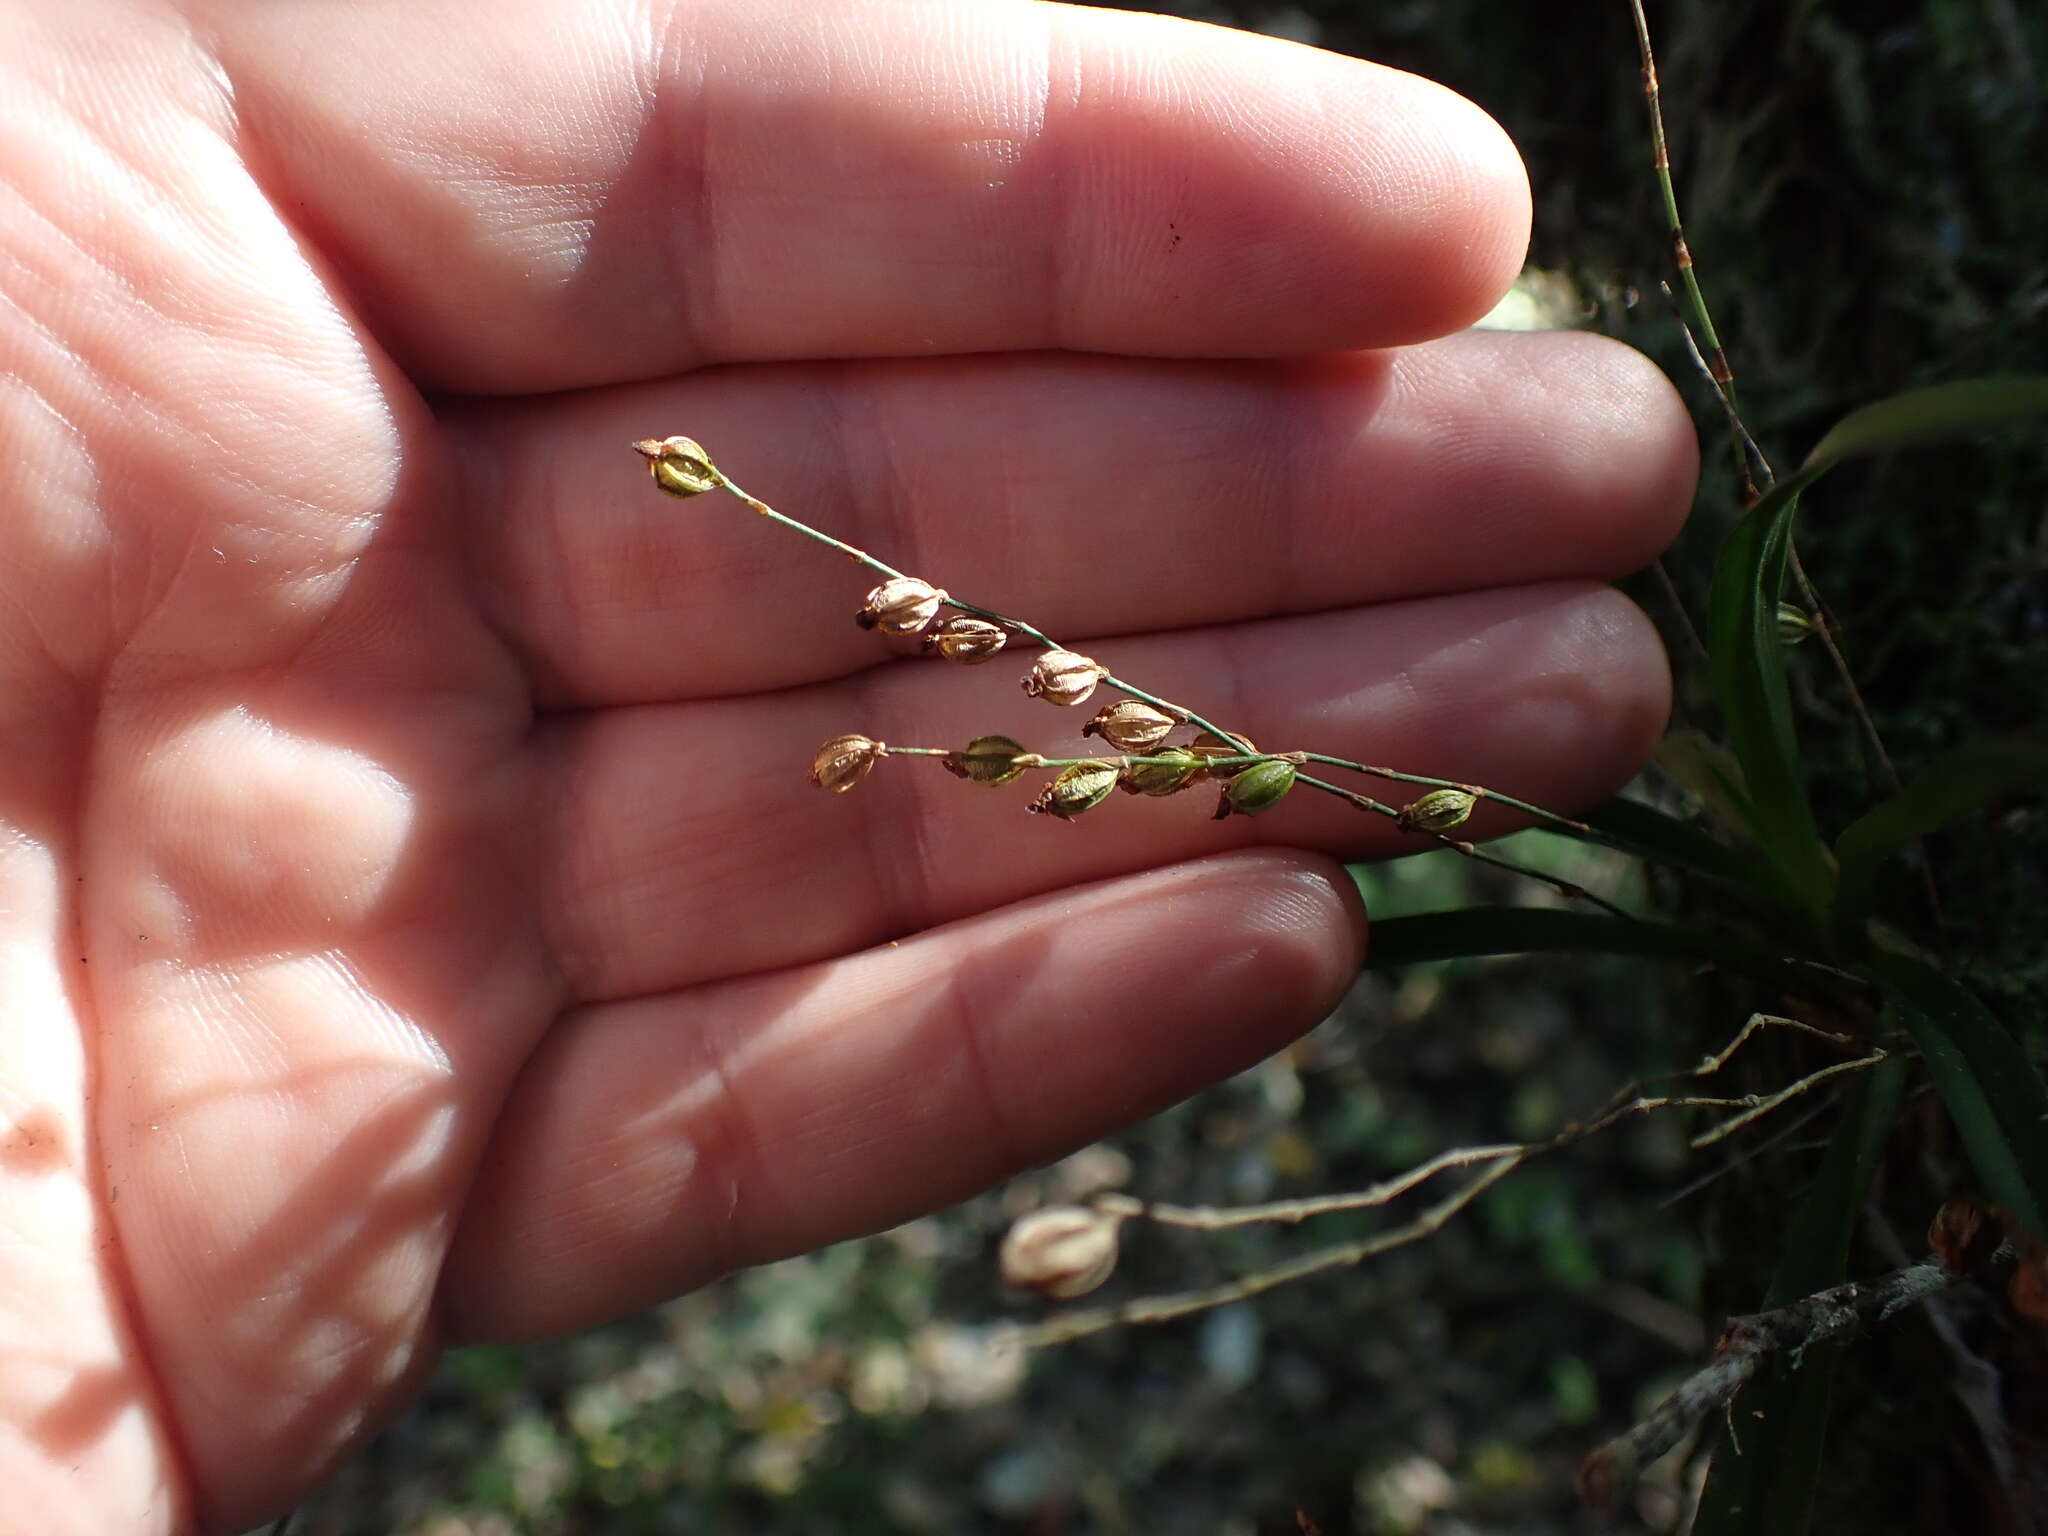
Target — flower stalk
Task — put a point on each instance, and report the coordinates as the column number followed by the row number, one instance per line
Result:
column 1137, row 725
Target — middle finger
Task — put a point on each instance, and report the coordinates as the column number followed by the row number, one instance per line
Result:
column 686, row 845
column 1090, row 495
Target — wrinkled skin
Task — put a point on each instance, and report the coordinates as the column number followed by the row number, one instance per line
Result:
column 415, row 925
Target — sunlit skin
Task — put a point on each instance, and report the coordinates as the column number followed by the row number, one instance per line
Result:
column 416, row 925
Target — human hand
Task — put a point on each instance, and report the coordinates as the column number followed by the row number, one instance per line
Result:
column 417, row 924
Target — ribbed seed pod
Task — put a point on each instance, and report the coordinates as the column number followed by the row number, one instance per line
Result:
column 967, row 640
column 679, row 465
column 1079, row 788
column 986, row 760
column 1257, row 789
column 1209, row 744
column 902, row 605
column 1131, row 725
column 1160, row 778
column 1061, row 1252
column 1438, row 811
column 844, row 761
column 1062, row 677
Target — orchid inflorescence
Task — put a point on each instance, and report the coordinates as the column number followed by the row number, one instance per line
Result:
column 1136, row 726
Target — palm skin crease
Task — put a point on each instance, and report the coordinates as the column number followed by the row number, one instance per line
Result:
column 415, row 925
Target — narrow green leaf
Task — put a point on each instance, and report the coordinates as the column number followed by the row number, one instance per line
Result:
column 1746, row 657
column 1763, row 1476
column 1746, row 654
column 1928, row 415
column 1991, row 1088
column 1644, row 832
column 1958, row 782
column 1475, row 931
column 1704, row 768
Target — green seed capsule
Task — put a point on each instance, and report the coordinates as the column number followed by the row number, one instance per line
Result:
column 1079, row 788
column 1794, row 623
column 1208, row 745
column 680, row 466
column 1438, row 811
column 1257, row 789
column 1163, row 778
column 986, row 760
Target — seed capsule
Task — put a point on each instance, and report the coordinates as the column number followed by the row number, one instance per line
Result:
column 844, row 761
column 969, row 641
column 1079, row 788
column 1794, row 623
column 1965, row 1235
column 1438, row 811
column 1061, row 677
column 1130, row 725
column 902, row 605
column 679, row 465
column 1209, row 744
column 1257, row 789
column 986, row 760
column 1060, row 1252
column 1160, row 778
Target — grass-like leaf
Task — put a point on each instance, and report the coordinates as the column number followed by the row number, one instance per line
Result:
column 1745, row 653
column 1764, row 1474
column 1645, row 832
column 1746, row 659
column 1963, row 780
column 1472, row 932
column 1992, row 1090
column 1929, row 415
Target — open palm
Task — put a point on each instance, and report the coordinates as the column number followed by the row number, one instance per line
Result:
column 415, row 925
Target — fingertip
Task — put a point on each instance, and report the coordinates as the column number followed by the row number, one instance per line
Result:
column 1658, row 445
column 1608, row 697
column 1471, row 236
column 1313, row 934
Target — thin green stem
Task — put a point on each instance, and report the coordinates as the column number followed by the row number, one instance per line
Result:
column 861, row 556
column 1681, row 253
column 1017, row 626
column 1713, row 360
column 1476, row 791
column 1563, row 887
column 708, row 475
column 1120, row 759
column 1109, row 679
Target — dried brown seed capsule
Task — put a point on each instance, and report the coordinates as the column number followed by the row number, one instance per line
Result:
column 1061, row 677
column 902, row 605
column 1257, row 789
column 986, row 760
column 1209, row 744
column 1161, row 778
column 844, row 761
column 1130, row 725
column 1079, row 788
column 1438, row 811
column 1964, row 1235
column 2027, row 1287
column 1061, row 1252
column 679, row 465
column 966, row 640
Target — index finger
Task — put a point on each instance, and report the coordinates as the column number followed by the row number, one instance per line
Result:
column 585, row 191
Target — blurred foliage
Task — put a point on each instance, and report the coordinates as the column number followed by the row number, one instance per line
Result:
column 1864, row 193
